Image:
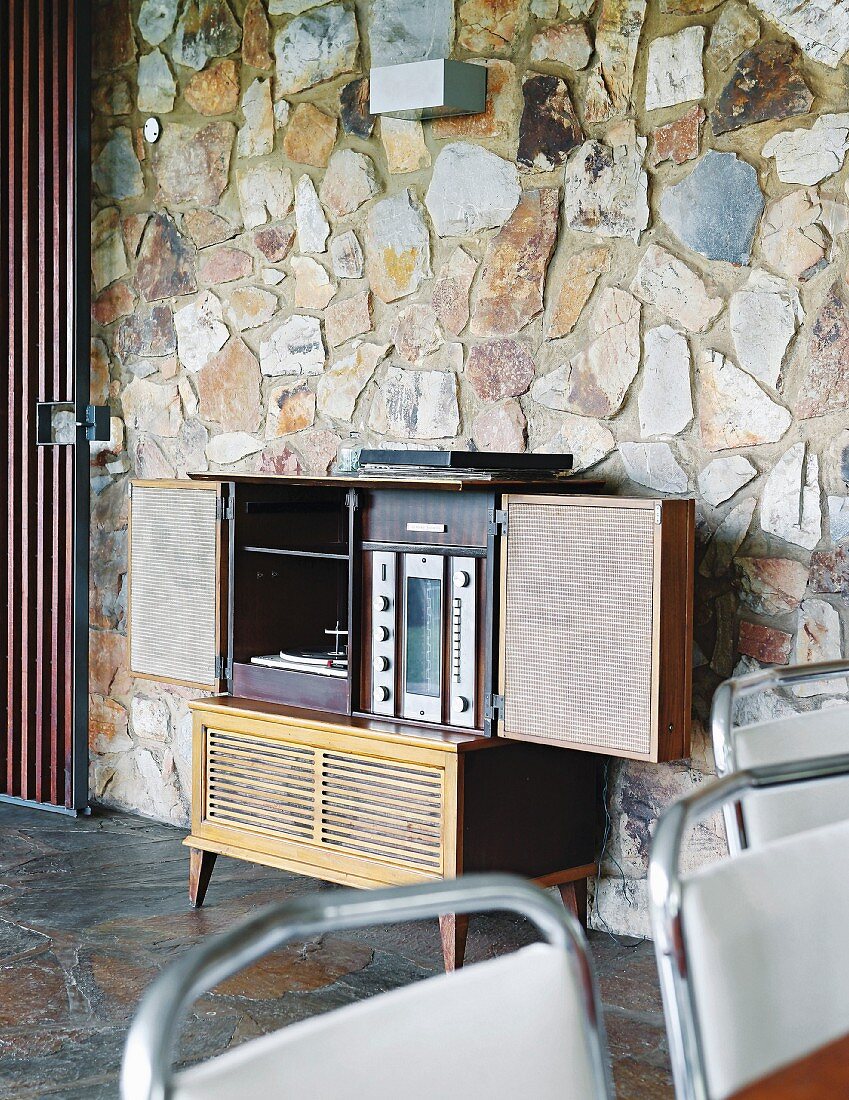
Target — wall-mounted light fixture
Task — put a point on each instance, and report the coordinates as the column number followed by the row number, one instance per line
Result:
column 427, row 89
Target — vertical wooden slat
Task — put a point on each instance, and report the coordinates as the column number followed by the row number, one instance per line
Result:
column 37, row 202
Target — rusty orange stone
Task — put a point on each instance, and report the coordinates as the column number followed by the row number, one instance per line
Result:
column 229, row 388
column 766, row 644
column 678, row 141
column 214, row 91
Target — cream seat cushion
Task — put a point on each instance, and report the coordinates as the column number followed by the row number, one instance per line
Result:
column 768, row 954
column 505, row 1029
column 769, row 815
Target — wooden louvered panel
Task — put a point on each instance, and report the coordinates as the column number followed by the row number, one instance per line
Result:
column 381, row 809
column 260, row 785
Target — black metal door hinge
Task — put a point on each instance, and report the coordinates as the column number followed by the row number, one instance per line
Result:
column 494, row 708
column 352, row 501
column 226, row 507
column 223, row 668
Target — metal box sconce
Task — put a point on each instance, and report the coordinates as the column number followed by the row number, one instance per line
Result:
column 428, row 89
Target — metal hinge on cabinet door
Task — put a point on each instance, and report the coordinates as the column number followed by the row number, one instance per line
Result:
column 352, row 501
column 223, row 668
column 226, row 507
column 658, row 513
column 498, row 522
column 494, row 708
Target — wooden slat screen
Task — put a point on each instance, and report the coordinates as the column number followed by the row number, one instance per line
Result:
column 37, row 483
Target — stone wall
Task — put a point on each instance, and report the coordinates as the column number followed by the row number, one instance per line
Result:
column 637, row 254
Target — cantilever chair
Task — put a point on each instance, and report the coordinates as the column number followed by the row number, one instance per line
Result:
column 763, row 816
column 748, row 984
column 526, row 1024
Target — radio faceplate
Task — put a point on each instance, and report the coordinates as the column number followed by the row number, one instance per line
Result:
column 424, row 635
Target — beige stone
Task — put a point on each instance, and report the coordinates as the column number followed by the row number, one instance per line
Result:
column 256, row 135
column 734, row 411
column 348, row 182
column 500, row 428
column 450, row 297
column 349, row 318
column 574, row 284
column 250, row 306
column 404, row 144
column 510, row 285
column 215, row 91
column 489, row 26
column 291, row 408
column 310, row 136
column 313, row 288
column 340, row 386
column 415, row 332
column 566, row 44
column 397, row 247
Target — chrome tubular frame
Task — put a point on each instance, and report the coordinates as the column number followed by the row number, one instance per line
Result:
column 725, row 699
column 665, row 897
column 148, row 1054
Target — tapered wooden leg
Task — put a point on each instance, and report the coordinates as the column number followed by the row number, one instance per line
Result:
column 200, row 872
column 453, row 928
column 574, row 895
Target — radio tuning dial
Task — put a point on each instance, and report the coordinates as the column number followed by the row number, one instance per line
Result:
column 381, row 633
column 460, row 704
column 381, row 664
column 381, row 603
column 461, row 579
column 382, row 693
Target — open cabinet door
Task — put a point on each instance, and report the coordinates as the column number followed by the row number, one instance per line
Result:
column 178, row 582
column 596, row 624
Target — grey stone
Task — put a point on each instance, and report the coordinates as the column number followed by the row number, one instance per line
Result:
column 810, row 156
column 256, row 137
column 205, row 29
column 294, row 347
column 790, row 502
column 346, row 256
column 397, row 247
column 201, row 331
column 232, row 447
column 675, row 73
column 471, row 189
column 265, row 193
column 716, row 209
column 723, row 477
column 416, row 404
column 586, row 439
column 655, row 466
column 315, row 47
column 108, row 259
column 666, row 401
column 313, row 229
column 408, row 30
column 156, row 20
column 820, row 27
column 157, row 87
column 734, row 31
column 838, row 518
column 727, row 539
column 764, row 315
column 116, row 170
column 193, row 165
column 819, row 638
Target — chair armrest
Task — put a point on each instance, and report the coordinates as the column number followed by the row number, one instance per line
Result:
column 146, row 1067
column 730, row 691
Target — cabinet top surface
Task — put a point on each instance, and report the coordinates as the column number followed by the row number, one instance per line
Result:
column 385, row 729
column 451, row 483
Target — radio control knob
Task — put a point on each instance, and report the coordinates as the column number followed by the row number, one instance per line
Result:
column 381, row 603
column 381, row 664
column 381, row 693
column 460, row 704
column 381, row 633
column 461, row 579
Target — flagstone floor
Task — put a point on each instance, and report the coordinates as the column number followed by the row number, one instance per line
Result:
column 92, row 909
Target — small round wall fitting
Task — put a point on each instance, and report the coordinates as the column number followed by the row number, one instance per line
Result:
column 152, row 130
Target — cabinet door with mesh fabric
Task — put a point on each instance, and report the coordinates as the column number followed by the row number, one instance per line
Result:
column 587, row 597
column 176, row 577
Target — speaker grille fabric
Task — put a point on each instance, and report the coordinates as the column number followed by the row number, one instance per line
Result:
column 578, row 625
column 173, row 582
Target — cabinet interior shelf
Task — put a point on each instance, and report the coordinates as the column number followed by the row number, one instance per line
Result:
column 299, row 552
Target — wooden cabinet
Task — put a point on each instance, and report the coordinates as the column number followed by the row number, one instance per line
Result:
column 572, row 609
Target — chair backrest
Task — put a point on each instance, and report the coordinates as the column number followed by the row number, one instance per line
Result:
column 528, row 1024
column 763, row 816
column 752, row 951
column 511, row 1027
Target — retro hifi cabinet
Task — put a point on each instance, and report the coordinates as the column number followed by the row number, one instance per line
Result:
column 501, row 633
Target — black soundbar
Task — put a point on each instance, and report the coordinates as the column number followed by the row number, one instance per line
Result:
column 494, row 461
